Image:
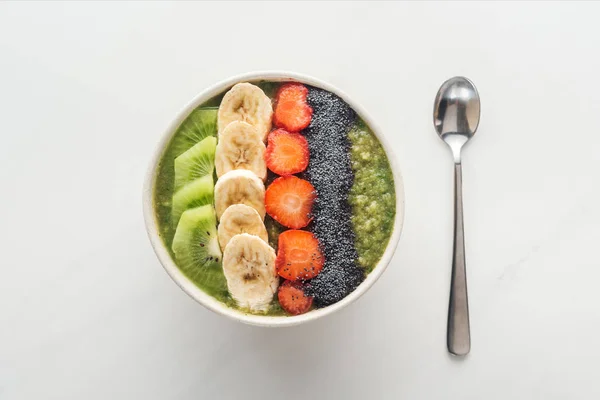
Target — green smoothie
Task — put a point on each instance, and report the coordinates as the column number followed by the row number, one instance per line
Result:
column 371, row 198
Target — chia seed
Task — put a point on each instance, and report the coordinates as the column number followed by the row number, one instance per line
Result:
column 329, row 170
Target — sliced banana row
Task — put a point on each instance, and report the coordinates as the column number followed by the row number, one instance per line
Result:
column 244, row 120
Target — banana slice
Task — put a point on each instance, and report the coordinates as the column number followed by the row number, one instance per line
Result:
column 239, row 186
column 241, row 147
column 246, row 102
column 240, row 218
column 249, row 267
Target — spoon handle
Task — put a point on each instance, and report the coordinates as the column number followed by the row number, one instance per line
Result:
column 459, row 337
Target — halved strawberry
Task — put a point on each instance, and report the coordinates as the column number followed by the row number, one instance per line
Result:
column 292, row 112
column 293, row 299
column 289, row 200
column 287, row 153
column 299, row 255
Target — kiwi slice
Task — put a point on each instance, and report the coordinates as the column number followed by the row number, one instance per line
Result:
column 201, row 123
column 197, row 251
column 195, row 162
column 197, row 193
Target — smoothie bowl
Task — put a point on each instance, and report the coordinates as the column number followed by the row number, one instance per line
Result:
column 273, row 199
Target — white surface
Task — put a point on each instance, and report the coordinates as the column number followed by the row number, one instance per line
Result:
column 86, row 311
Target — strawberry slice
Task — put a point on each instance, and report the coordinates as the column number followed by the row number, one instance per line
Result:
column 287, row 153
column 289, row 200
column 299, row 255
column 292, row 112
column 293, row 299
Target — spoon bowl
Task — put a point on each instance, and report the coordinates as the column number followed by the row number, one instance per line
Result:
column 456, row 113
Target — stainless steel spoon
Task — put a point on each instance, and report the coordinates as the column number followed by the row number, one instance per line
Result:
column 456, row 117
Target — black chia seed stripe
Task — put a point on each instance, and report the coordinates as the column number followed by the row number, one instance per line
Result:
column 330, row 172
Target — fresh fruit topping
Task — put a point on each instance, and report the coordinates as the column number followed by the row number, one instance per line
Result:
column 240, row 218
column 241, row 147
column 200, row 124
column 249, row 266
column 240, row 186
column 289, row 201
column 299, row 255
column 196, row 247
column 287, row 153
column 197, row 193
column 196, row 162
column 246, row 102
column 293, row 299
column 292, row 112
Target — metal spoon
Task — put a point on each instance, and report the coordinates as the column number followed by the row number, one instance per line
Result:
column 456, row 117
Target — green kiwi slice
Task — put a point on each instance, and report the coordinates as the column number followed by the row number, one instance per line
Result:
column 197, row 193
column 196, row 248
column 201, row 123
column 196, row 162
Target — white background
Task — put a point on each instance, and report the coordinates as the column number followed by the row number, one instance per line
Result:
column 87, row 312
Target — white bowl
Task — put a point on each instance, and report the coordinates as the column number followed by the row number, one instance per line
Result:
column 210, row 302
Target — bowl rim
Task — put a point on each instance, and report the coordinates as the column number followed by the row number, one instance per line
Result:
column 207, row 300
